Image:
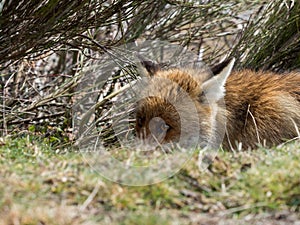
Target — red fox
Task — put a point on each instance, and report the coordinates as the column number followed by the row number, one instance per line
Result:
column 261, row 108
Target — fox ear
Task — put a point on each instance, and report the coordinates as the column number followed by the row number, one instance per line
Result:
column 214, row 88
column 216, row 69
column 150, row 67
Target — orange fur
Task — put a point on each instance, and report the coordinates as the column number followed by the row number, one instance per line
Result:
column 260, row 107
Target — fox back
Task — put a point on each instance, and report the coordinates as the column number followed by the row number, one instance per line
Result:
column 262, row 108
column 241, row 108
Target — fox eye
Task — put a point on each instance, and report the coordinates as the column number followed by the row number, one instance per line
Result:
column 165, row 127
column 162, row 128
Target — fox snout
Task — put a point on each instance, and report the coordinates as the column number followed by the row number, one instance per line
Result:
column 154, row 131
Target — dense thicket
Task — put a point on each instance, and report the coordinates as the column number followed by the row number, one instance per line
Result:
column 44, row 45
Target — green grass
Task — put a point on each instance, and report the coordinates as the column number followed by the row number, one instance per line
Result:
column 39, row 186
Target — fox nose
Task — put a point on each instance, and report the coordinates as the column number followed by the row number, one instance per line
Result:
column 158, row 128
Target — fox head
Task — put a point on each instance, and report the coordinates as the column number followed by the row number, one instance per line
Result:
column 182, row 104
